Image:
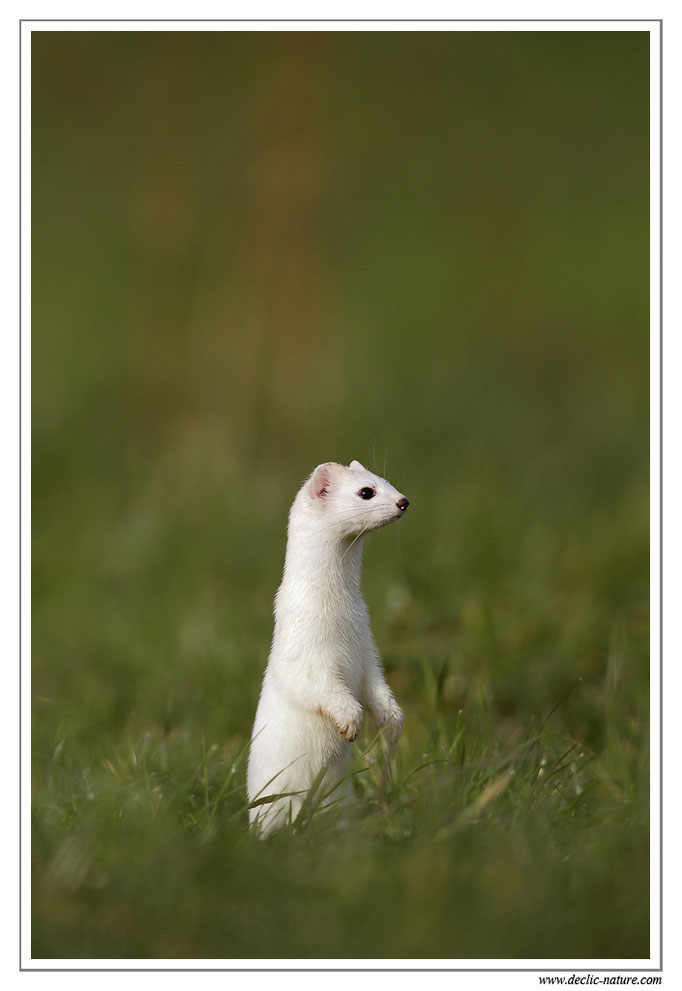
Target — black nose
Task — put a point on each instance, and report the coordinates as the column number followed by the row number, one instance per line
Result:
column 402, row 503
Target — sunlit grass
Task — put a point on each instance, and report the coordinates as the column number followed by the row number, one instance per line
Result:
column 528, row 827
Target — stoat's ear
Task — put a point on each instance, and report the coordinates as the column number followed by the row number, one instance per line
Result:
column 320, row 479
column 357, row 466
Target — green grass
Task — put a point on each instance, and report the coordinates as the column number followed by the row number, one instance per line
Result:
column 252, row 254
column 518, row 843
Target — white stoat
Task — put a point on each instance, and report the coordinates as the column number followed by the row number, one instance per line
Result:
column 324, row 667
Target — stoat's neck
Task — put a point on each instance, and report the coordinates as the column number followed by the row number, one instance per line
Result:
column 317, row 564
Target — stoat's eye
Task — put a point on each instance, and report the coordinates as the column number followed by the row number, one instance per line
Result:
column 367, row 493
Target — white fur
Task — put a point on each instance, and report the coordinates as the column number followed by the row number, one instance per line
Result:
column 324, row 667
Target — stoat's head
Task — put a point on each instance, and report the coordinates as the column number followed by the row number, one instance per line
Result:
column 349, row 500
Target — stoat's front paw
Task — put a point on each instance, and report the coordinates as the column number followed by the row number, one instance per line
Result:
column 394, row 723
column 349, row 721
column 390, row 716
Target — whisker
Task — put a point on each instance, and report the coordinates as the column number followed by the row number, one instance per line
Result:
column 363, row 531
column 400, row 552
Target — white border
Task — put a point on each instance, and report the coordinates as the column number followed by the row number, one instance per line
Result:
column 540, row 965
column 340, row 24
column 655, row 488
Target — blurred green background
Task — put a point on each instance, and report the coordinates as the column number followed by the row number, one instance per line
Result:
column 253, row 252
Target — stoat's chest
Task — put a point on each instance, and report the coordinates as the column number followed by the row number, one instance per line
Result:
column 325, row 627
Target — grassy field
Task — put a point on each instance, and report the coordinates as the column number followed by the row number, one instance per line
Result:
column 251, row 254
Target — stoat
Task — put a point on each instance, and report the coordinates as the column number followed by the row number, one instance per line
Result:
column 324, row 669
